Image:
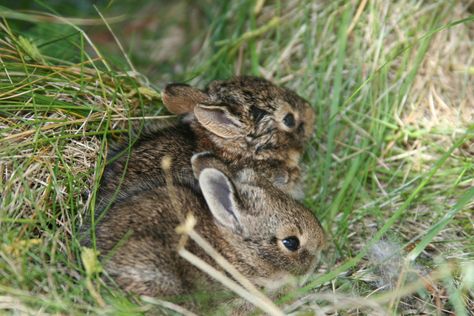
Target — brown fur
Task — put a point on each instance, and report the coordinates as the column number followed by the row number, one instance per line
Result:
column 146, row 261
column 228, row 119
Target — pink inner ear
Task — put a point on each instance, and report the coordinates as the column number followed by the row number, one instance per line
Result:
column 220, row 197
column 222, row 118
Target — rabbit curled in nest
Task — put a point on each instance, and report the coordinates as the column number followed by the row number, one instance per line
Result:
column 245, row 122
column 265, row 234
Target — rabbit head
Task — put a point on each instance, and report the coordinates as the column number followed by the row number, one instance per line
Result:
column 268, row 234
column 247, row 116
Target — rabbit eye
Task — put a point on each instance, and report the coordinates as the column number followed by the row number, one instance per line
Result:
column 291, row 243
column 289, row 120
column 258, row 114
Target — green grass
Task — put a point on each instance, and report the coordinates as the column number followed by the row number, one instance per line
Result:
column 389, row 171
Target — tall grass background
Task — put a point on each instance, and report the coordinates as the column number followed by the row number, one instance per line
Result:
column 389, row 172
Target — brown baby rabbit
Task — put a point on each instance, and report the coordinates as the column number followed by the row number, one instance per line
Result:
column 245, row 121
column 264, row 233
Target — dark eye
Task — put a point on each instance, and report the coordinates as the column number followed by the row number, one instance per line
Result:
column 289, row 120
column 258, row 114
column 292, row 243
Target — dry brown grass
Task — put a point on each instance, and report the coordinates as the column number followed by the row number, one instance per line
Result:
column 57, row 117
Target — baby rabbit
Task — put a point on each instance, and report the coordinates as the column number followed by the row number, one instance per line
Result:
column 264, row 233
column 245, row 121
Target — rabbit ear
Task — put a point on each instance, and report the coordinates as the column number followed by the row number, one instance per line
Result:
column 220, row 197
column 181, row 98
column 218, row 120
column 206, row 159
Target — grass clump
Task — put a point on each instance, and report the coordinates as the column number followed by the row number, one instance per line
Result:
column 389, row 171
column 56, row 117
